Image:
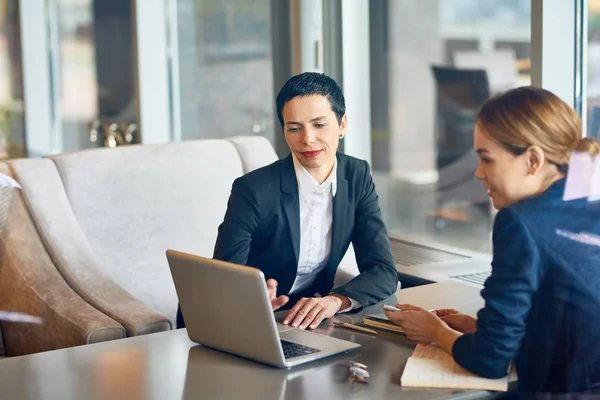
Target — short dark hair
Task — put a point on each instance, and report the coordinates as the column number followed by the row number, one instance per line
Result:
column 309, row 84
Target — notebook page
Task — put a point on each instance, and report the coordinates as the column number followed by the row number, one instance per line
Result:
column 429, row 366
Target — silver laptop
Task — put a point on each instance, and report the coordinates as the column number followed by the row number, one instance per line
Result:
column 421, row 262
column 227, row 307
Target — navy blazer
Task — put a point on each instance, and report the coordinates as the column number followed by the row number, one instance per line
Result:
column 542, row 300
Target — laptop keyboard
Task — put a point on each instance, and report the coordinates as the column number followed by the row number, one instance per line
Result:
column 291, row 350
column 477, row 278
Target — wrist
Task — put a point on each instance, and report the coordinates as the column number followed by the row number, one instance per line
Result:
column 341, row 302
column 444, row 337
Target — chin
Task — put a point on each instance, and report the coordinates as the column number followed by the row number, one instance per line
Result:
column 498, row 204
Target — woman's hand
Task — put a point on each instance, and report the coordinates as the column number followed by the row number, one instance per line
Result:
column 418, row 324
column 458, row 321
column 425, row 326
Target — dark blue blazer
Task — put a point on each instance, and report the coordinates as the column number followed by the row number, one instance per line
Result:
column 261, row 229
column 542, row 300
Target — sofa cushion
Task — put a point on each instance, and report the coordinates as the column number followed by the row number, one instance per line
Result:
column 133, row 203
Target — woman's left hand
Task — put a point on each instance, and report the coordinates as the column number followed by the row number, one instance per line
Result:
column 418, row 324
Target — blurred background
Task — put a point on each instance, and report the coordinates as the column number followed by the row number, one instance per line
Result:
column 80, row 74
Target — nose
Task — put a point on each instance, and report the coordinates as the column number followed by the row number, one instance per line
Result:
column 479, row 172
column 309, row 137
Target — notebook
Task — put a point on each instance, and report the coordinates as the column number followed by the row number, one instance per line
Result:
column 431, row 367
column 380, row 321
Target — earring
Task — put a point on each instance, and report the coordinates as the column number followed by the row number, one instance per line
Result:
column 341, row 135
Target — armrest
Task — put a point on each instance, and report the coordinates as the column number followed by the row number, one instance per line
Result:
column 72, row 254
column 30, row 283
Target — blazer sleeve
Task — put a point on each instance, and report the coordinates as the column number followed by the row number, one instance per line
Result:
column 241, row 221
column 508, row 293
column 378, row 277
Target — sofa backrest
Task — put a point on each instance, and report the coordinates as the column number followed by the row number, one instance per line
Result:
column 133, row 203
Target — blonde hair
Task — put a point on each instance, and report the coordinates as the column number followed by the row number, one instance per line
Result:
column 530, row 116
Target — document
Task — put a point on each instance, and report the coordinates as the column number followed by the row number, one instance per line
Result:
column 595, row 181
column 431, row 367
column 580, row 176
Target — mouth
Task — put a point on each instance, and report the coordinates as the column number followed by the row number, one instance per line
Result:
column 311, row 153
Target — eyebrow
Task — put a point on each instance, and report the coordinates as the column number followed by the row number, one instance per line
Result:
column 312, row 120
column 480, row 151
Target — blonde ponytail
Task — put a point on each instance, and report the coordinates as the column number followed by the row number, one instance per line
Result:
column 588, row 145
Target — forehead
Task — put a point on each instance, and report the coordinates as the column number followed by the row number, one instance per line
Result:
column 307, row 106
column 482, row 141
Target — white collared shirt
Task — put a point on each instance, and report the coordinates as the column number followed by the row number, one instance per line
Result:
column 316, row 217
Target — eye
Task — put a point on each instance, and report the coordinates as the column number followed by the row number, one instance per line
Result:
column 293, row 129
column 319, row 125
column 485, row 160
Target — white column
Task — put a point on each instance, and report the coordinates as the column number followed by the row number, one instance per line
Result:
column 356, row 77
column 152, row 71
column 553, row 47
column 42, row 126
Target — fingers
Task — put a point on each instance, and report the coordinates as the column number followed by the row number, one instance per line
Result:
column 277, row 302
column 445, row 312
column 409, row 307
column 395, row 316
column 308, row 312
column 271, row 285
column 318, row 319
column 311, row 317
column 303, row 314
column 294, row 311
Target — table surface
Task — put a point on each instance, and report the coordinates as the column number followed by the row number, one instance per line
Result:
column 168, row 365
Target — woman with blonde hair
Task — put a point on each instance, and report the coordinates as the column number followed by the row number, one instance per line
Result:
column 542, row 300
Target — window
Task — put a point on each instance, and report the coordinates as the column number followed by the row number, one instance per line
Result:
column 225, row 68
column 12, row 122
column 433, row 62
column 593, row 69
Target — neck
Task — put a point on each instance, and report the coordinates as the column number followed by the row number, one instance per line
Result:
column 549, row 182
column 322, row 173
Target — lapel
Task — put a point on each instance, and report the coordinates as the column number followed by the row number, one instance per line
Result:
column 290, row 200
column 340, row 208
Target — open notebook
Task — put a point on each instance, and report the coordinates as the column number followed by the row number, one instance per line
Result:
column 431, row 367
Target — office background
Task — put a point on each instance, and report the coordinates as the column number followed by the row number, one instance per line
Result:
column 80, row 74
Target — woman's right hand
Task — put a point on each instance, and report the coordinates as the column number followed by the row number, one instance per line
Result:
column 458, row 321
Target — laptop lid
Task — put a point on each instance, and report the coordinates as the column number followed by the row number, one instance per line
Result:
column 227, row 307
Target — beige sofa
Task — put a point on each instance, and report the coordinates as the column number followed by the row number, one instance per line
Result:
column 104, row 219
column 30, row 283
column 107, row 216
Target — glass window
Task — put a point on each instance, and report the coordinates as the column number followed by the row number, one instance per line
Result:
column 226, row 70
column 433, row 62
column 97, row 99
column 593, row 69
column 12, row 117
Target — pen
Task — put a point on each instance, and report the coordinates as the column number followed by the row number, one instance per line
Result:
column 355, row 327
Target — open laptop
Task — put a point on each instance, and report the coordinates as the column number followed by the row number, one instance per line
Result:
column 227, row 307
column 421, row 263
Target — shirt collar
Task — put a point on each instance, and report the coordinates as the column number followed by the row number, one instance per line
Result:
column 307, row 184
